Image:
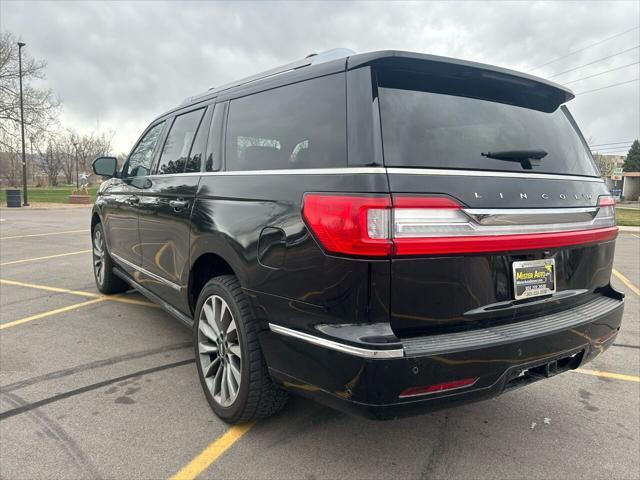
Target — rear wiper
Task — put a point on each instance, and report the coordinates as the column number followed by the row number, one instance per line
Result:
column 522, row 156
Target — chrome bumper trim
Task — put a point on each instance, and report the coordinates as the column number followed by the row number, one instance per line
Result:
column 338, row 347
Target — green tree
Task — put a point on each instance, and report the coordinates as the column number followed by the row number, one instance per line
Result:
column 632, row 162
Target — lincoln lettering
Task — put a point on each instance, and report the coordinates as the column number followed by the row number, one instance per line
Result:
column 544, row 196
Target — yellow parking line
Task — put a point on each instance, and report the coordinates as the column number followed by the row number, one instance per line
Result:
column 616, row 376
column 85, row 230
column 44, row 258
column 47, row 288
column 112, row 298
column 51, row 312
column 626, row 281
column 210, row 454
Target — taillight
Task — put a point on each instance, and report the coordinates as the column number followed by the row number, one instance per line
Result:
column 606, row 216
column 350, row 225
column 402, row 225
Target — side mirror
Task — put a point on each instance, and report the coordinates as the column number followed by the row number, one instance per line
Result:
column 105, row 166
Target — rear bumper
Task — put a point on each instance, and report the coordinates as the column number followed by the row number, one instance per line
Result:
column 361, row 374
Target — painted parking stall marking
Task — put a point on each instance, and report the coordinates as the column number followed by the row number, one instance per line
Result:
column 35, row 259
column 66, row 232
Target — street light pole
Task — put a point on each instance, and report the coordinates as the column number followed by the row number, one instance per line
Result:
column 24, row 154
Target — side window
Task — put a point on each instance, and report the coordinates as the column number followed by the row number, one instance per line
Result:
column 199, row 144
column 178, row 143
column 216, row 143
column 139, row 163
column 296, row 126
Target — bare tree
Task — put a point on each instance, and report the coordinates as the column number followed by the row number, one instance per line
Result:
column 11, row 166
column 68, row 154
column 90, row 146
column 605, row 164
column 50, row 160
column 41, row 106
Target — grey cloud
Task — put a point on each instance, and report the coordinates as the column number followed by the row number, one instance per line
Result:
column 126, row 62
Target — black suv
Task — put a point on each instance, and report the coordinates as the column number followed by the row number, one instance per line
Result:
column 387, row 233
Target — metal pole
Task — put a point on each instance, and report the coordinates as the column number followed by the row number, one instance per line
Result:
column 24, row 154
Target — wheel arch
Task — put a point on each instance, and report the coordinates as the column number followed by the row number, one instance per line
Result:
column 95, row 219
column 207, row 266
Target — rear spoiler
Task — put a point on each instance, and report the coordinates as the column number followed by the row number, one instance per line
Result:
column 451, row 76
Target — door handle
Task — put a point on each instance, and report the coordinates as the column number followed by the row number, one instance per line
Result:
column 178, row 204
column 133, row 200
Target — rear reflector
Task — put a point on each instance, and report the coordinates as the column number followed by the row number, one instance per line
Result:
column 438, row 388
column 381, row 226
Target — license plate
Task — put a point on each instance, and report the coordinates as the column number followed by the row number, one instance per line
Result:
column 534, row 278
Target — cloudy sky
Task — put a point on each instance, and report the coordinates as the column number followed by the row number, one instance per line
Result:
column 118, row 64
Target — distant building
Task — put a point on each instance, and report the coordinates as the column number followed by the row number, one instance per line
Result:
column 628, row 187
column 631, row 185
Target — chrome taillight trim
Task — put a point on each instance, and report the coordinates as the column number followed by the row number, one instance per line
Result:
column 427, row 222
column 532, row 216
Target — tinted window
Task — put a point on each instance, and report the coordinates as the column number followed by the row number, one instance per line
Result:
column 215, row 143
column 139, row 162
column 199, row 144
column 425, row 129
column 296, row 126
column 178, row 143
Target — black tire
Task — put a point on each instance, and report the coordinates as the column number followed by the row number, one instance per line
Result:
column 258, row 396
column 107, row 282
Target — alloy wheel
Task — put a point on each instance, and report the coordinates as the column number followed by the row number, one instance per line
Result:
column 98, row 256
column 219, row 350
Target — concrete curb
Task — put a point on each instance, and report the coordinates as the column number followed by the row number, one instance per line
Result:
column 629, row 229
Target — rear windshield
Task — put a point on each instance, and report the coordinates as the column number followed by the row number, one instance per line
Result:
column 421, row 128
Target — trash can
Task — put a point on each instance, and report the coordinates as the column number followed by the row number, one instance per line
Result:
column 13, row 198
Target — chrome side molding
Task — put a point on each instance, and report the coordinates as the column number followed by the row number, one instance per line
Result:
column 146, row 272
column 489, row 173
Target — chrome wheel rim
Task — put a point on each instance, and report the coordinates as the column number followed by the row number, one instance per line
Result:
column 98, row 256
column 219, row 351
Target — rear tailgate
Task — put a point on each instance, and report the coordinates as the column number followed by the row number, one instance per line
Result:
column 441, row 292
column 473, row 196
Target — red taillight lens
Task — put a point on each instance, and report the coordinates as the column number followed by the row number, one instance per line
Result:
column 350, row 225
column 606, row 201
column 409, row 225
column 438, row 388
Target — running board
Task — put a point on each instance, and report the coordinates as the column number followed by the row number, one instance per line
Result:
column 154, row 298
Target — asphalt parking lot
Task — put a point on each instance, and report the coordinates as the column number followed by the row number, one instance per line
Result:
column 105, row 387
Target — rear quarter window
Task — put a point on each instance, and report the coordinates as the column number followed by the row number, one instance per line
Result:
column 295, row 126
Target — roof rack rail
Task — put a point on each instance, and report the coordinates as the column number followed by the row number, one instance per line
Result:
column 312, row 59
